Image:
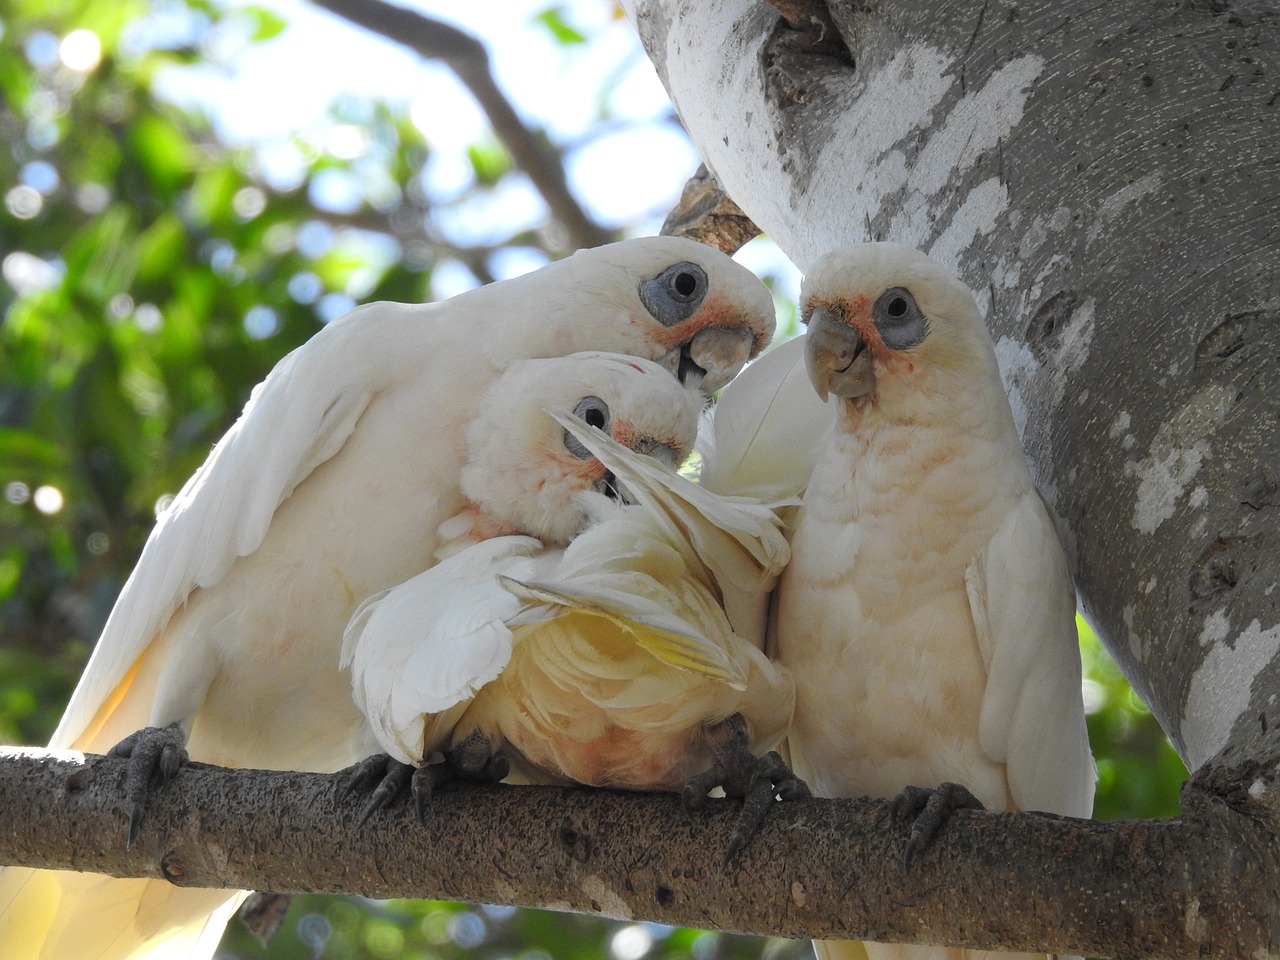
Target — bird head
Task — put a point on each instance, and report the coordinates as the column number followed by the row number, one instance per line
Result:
column 678, row 302
column 530, row 475
column 884, row 317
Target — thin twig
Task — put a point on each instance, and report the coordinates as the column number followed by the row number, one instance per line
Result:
column 468, row 59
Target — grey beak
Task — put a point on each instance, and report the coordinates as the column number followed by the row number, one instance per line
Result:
column 836, row 357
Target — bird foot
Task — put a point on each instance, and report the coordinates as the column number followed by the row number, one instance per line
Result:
column 928, row 808
column 154, row 755
column 759, row 781
column 385, row 775
column 472, row 759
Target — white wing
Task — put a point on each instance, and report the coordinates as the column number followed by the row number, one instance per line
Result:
column 297, row 418
column 1032, row 719
column 767, row 429
column 424, row 647
column 623, row 570
column 738, row 539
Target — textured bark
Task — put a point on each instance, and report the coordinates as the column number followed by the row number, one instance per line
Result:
column 707, row 214
column 829, row 868
column 1105, row 177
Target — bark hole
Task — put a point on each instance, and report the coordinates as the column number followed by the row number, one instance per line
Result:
column 576, row 844
column 1050, row 317
column 1217, row 569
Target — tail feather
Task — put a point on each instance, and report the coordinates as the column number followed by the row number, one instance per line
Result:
column 60, row 915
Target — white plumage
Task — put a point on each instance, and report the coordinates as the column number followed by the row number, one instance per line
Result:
column 927, row 614
column 599, row 662
column 329, row 488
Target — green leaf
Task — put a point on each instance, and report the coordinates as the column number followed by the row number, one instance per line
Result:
column 102, row 258
column 166, row 154
column 161, row 248
column 553, row 19
column 489, row 160
column 268, row 23
column 22, row 450
column 213, row 192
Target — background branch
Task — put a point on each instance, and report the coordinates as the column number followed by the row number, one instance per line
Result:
column 468, row 59
column 706, row 213
column 1199, row 885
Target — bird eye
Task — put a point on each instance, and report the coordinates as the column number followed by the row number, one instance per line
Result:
column 674, row 294
column 594, row 412
column 899, row 319
column 684, row 285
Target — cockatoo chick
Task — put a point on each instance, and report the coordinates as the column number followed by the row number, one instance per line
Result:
column 610, row 661
column 528, row 483
column 526, row 474
column 927, row 614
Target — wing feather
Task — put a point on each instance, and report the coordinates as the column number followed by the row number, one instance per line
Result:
column 739, row 539
column 425, row 646
column 655, row 627
column 1032, row 719
column 295, row 419
column 767, row 429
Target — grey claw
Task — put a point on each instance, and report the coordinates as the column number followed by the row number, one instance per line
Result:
column 928, row 809
column 474, row 759
column 758, row 781
column 363, row 774
column 425, row 781
column 155, row 755
column 391, row 785
column 134, row 814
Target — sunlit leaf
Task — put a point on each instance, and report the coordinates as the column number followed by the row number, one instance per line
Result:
column 23, row 450
column 167, row 155
column 161, row 248
column 102, row 259
column 489, row 160
column 553, row 20
column 269, row 24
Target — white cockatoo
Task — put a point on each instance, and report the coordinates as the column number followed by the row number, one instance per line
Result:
column 927, row 614
column 595, row 642
column 329, row 488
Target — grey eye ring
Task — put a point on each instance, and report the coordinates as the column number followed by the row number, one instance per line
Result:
column 899, row 319
column 594, row 412
column 675, row 294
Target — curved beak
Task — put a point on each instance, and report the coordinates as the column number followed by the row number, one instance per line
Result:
column 836, row 357
column 714, row 356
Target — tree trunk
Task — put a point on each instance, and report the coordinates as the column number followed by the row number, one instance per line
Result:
column 829, row 868
column 1105, row 178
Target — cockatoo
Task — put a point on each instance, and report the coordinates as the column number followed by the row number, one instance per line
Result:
column 927, row 614
column 593, row 642
column 329, row 488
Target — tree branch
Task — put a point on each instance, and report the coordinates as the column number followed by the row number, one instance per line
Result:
column 467, row 58
column 1200, row 885
column 706, row 213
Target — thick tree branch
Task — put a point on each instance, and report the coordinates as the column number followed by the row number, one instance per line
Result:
column 1200, row 885
column 706, row 213
column 468, row 59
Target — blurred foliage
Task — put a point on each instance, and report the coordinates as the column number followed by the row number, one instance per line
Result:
column 151, row 276
column 337, row 928
column 1139, row 774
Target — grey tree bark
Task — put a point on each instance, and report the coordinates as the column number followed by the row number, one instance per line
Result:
column 1105, row 178
column 829, row 868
